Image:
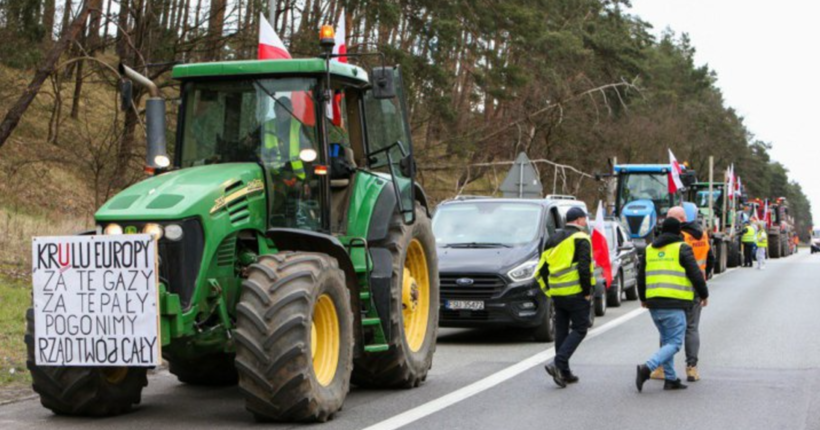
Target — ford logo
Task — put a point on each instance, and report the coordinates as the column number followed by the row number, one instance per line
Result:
column 464, row 282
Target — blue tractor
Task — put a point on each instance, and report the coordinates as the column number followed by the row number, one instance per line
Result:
column 643, row 198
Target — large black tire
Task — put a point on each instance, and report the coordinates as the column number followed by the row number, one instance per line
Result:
column 211, row 370
column 733, row 254
column 400, row 367
column 615, row 293
column 274, row 321
column 775, row 247
column 84, row 391
column 546, row 331
column 719, row 249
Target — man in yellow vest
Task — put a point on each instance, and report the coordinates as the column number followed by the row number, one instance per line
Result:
column 762, row 246
column 282, row 141
column 565, row 274
column 668, row 278
column 748, row 239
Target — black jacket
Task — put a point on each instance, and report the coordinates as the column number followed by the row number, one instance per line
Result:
column 583, row 256
column 687, row 260
column 693, row 228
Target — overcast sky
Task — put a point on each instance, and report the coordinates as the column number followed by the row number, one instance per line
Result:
column 765, row 54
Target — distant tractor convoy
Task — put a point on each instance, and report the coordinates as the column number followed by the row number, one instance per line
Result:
column 297, row 254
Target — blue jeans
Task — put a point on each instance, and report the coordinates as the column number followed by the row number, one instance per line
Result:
column 671, row 324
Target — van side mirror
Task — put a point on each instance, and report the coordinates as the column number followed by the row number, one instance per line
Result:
column 126, row 94
column 384, row 86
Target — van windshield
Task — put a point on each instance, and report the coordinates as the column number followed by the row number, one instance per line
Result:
column 487, row 224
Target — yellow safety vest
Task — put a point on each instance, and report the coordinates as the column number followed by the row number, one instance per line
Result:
column 762, row 239
column 272, row 147
column 748, row 235
column 564, row 279
column 665, row 277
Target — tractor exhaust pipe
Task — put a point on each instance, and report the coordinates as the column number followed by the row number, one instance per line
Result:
column 156, row 156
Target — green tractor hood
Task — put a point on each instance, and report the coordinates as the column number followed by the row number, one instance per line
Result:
column 195, row 191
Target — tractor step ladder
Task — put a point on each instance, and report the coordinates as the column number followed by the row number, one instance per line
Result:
column 371, row 323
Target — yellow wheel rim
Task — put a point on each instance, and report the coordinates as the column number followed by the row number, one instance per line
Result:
column 324, row 340
column 114, row 375
column 415, row 296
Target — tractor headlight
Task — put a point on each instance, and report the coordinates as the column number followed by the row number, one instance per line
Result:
column 524, row 272
column 173, row 232
column 113, row 229
column 155, row 230
column 645, row 226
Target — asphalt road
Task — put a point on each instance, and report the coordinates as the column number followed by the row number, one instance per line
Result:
column 760, row 363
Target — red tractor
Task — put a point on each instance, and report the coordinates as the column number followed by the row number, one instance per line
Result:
column 779, row 225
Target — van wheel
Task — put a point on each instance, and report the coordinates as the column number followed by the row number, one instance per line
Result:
column 546, row 331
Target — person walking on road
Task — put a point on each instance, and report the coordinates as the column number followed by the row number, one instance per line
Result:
column 667, row 280
column 762, row 247
column 565, row 274
column 748, row 239
column 698, row 239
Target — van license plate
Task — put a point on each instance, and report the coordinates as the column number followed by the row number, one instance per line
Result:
column 469, row 305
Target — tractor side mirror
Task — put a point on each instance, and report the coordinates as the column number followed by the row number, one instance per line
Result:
column 384, row 86
column 126, row 94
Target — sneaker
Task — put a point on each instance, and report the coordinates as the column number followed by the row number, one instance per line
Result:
column 658, row 374
column 643, row 376
column 692, row 374
column 673, row 385
column 570, row 377
column 556, row 375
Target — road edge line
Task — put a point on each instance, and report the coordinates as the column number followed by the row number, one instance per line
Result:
column 447, row 400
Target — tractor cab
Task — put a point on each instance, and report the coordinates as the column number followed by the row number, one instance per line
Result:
column 309, row 124
column 643, row 198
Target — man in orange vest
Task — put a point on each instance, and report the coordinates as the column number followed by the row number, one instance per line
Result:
column 698, row 239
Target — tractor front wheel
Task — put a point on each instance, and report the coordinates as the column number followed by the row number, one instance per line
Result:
column 294, row 350
column 84, row 391
column 414, row 308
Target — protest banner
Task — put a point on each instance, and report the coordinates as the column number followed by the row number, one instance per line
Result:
column 95, row 301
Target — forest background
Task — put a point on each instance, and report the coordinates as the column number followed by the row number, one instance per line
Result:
column 576, row 82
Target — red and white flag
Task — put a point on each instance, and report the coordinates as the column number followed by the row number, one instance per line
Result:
column 272, row 48
column 600, row 246
column 766, row 216
column 675, row 183
column 730, row 180
column 340, row 48
column 334, row 111
column 270, row 45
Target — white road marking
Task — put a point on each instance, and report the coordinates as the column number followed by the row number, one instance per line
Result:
column 450, row 399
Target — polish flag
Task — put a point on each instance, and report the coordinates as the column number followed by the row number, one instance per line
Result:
column 272, row 48
column 600, row 246
column 675, row 183
column 730, row 182
column 766, row 215
column 270, row 45
column 339, row 48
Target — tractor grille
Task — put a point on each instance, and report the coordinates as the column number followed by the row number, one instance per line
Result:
column 180, row 261
column 634, row 223
column 483, row 286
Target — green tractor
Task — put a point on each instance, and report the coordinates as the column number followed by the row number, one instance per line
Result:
column 296, row 254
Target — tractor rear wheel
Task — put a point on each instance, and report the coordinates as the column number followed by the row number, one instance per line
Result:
column 733, row 254
column 775, row 246
column 294, row 350
column 211, row 370
column 413, row 309
column 84, row 391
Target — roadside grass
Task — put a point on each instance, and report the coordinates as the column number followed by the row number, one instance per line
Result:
column 15, row 298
